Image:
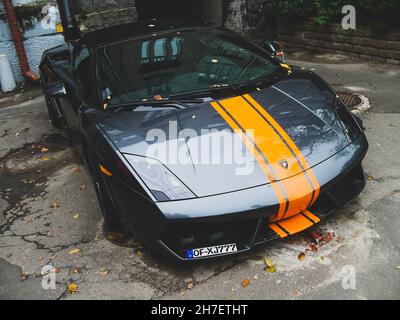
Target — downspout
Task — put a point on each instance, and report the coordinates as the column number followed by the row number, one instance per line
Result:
column 18, row 41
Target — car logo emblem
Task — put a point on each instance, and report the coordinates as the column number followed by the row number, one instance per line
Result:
column 284, row 164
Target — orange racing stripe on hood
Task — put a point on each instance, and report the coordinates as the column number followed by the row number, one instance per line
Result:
column 282, row 199
column 272, row 145
column 291, row 145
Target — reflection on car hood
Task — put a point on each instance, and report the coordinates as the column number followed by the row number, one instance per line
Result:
column 301, row 104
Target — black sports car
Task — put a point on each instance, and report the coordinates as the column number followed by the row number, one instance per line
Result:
column 141, row 100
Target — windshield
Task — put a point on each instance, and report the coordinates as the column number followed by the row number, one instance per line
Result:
column 159, row 66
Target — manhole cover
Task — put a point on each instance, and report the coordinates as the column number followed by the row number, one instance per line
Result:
column 352, row 100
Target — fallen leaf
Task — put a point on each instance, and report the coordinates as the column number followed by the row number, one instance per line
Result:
column 72, row 288
column 314, row 248
column 17, row 134
column 268, row 262
column 302, row 256
column 370, row 178
column 83, row 187
column 75, row 251
column 190, row 286
column 139, row 253
column 76, row 216
column 271, row 269
column 74, row 270
column 44, row 149
column 104, row 272
column 58, row 270
column 245, row 283
column 55, row 205
column 45, row 159
column 77, row 170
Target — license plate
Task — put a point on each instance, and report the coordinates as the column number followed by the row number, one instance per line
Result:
column 211, row 251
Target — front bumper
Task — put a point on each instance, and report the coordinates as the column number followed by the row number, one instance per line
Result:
column 243, row 217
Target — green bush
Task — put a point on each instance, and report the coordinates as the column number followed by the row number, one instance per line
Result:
column 373, row 13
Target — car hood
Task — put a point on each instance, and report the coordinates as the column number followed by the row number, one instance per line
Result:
column 301, row 104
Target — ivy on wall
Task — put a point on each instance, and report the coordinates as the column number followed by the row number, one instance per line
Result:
column 371, row 13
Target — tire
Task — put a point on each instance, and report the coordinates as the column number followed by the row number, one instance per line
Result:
column 55, row 118
column 111, row 220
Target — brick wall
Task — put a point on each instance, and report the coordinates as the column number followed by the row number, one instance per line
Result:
column 361, row 43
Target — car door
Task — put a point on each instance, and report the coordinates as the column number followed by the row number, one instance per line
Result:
column 73, row 104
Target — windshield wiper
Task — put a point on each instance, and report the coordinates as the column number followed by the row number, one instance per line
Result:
column 176, row 103
column 256, row 83
column 218, row 88
column 202, row 92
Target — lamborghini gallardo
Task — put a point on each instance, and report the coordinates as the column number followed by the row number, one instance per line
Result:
column 141, row 100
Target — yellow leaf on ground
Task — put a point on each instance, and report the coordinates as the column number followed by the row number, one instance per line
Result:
column 302, row 256
column 75, row 251
column 245, row 283
column 268, row 262
column 271, row 269
column 45, row 159
column 72, row 288
column 44, row 149
column 76, row 216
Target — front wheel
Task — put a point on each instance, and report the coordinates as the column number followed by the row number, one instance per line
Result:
column 113, row 228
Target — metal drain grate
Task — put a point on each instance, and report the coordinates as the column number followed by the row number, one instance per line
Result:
column 351, row 100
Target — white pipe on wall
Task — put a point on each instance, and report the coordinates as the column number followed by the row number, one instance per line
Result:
column 7, row 81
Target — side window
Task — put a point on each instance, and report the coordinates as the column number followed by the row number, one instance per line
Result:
column 84, row 74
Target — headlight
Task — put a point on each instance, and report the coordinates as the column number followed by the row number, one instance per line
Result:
column 163, row 184
column 350, row 124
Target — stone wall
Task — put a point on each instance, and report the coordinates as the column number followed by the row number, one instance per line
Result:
column 361, row 43
column 97, row 14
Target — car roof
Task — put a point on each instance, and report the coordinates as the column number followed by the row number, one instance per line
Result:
column 135, row 29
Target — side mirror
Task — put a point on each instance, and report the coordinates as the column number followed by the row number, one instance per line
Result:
column 275, row 50
column 55, row 90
